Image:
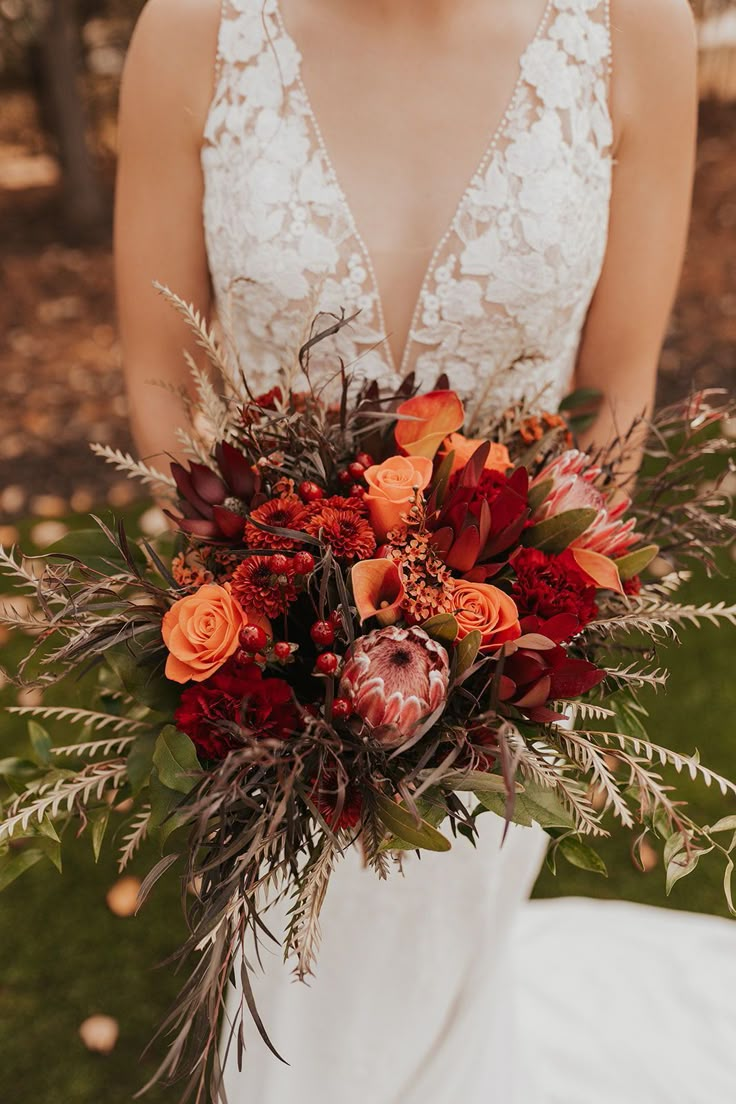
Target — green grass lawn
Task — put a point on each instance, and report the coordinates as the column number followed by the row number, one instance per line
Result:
column 65, row 956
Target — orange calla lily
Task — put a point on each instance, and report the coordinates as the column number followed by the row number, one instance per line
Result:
column 599, row 568
column 378, row 590
column 426, row 420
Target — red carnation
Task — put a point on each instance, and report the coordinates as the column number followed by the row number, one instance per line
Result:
column 236, row 695
column 548, row 585
column 327, row 797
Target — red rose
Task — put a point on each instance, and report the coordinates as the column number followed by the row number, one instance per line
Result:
column 548, row 585
column 236, row 695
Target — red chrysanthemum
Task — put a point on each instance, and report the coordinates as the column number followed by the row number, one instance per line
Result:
column 327, row 797
column 237, row 695
column 547, row 585
column 343, row 529
column 257, row 588
column 287, row 512
column 342, row 502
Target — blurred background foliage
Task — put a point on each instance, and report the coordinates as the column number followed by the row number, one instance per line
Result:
column 71, row 949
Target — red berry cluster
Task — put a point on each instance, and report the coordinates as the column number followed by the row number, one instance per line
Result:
column 352, row 476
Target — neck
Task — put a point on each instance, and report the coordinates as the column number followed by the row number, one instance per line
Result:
column 412, row 12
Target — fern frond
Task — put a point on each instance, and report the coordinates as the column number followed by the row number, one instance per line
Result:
column 585, row 711
column 650, row 751
column 88, row 717
column 592, row 760
column 65, row 792
column 203, row 335
column 134, row 837
column 137, row 469
column 636, row 677
column 663, row 618
column 211, row 406
column 303, row 933
column 17, row 568
column 546, row 766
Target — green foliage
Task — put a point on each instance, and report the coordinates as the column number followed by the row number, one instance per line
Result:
column 408, row 832
column 556, row 533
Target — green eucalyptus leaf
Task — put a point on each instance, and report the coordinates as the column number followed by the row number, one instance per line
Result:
column 579, row 854
column 100, row 821
column 175, row 759
column 728, row 886
column 14, row 863
column 582, row 398
column 14, row 768
column 50, row 847
column 142, row 675
column 40, row 743
column 475, row 782
column 443, row 628
column 466, row 652
column 636, row 562
column 556, row 533
column 163, row 800
column 538, row 494
column 140, row 762
column 535, row 804
column 726, row 824
column 403, row 825
column 680, row 867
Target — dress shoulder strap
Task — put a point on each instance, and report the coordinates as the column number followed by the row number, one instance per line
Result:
column 241, row 35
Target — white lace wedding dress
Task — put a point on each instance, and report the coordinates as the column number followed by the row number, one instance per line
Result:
column 447, row 986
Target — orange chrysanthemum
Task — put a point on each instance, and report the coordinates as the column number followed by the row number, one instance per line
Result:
column 345, row 530
column 224, row 564
column 287, row 512
column 257, row 588
column 189, row 572
column 533, row 428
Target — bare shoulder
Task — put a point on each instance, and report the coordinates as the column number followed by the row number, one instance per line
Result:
column 654, row 61
column 172, row 55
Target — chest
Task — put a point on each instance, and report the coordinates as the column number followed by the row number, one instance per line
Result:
column 460, row 208
column 406, row 115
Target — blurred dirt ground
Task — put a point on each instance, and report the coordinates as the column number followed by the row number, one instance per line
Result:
column 59, row 358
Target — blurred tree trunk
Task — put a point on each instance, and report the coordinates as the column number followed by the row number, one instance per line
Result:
column 60, row 59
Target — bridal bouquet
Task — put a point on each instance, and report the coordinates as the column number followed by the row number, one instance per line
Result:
column 376, row 624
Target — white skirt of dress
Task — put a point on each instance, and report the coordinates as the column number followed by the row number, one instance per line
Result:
column 447, row 986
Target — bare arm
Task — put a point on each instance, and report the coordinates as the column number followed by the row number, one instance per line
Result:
column 654, row 102
column 166, row 90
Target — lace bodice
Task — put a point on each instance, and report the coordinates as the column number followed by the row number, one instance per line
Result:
column 506, row 293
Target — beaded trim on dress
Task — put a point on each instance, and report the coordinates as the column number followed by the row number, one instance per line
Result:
column 506, row 293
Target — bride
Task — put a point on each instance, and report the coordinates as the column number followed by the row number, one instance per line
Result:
column 501, row 190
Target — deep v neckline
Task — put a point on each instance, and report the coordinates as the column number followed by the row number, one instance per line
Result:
column 402, row 366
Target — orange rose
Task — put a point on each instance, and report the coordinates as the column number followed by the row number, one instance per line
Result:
column 485, row 608
column 201, row 632
column 393, row 487
column 498, row 458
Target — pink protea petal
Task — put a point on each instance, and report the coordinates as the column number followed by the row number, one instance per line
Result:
column 573, row 487
column 396, row 677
